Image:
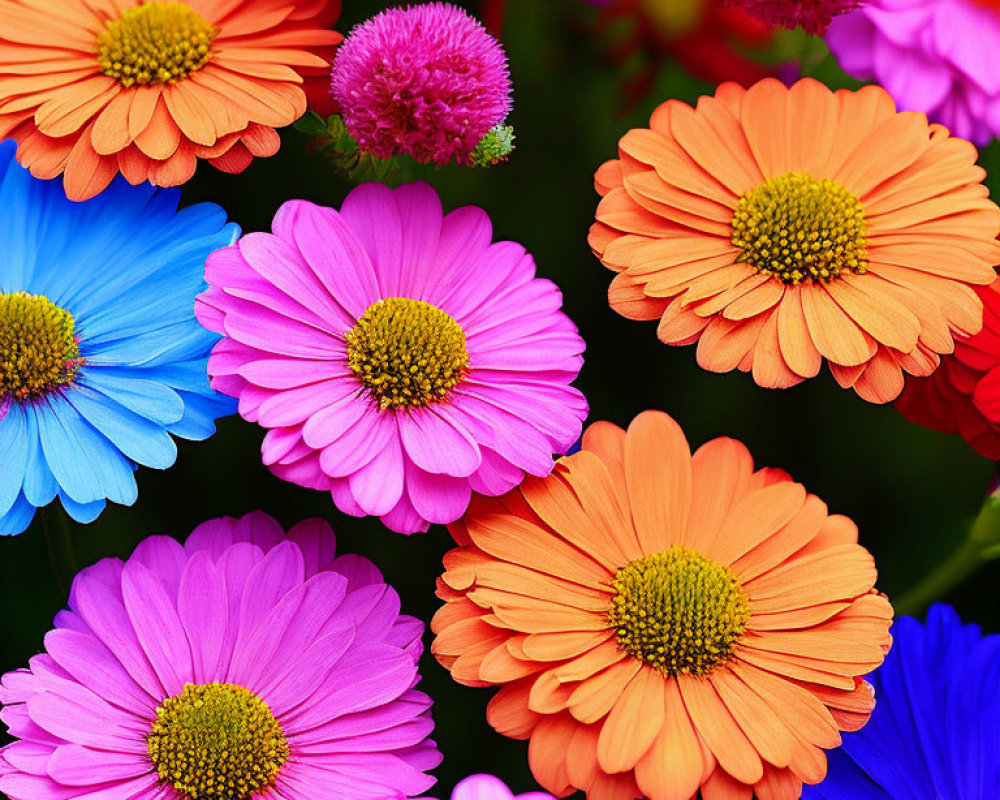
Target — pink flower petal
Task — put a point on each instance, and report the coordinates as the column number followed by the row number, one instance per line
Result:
column 289, row 373
column 280, row 262
column 75, row 765
column 104, row 612
column 79, row 716
column 404, row 518
column 438, row 444
column 359, row 444
column 335, row 255
column 437, row 498
column 377, row 486
column 201, row 608
column 287, row 630
column 86, row 658
column 157, row 627
column 316, row 540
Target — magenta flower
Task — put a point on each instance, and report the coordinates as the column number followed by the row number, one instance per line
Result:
column 490, row 787
column 812, row 15
column 426, row 80
column 941, row 57
column 241, row 664
column 399, row 359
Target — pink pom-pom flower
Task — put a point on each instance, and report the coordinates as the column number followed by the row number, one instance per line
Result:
column 399, row 359
column 246, row 662
column 812, row 15
column 425, row 80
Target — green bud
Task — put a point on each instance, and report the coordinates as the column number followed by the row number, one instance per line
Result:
column 494, row 147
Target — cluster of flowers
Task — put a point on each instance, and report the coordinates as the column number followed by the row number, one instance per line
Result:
column 659, row 623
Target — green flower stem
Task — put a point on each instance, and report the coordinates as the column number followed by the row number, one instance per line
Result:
column 981, row 545
column 59, row 542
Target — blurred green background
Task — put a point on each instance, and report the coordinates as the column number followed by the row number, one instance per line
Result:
column 911, row 491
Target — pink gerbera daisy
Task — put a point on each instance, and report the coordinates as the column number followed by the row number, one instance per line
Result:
column 490, row 787
column 399, row 359
column 241, row 664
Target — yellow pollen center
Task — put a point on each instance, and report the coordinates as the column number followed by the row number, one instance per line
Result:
column 161, row 41
column 798, row 228
column 38, row 351
column 678, row 611
column 216, row 741
column 407, row 352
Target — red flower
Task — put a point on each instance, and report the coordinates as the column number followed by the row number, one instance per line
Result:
column 963, row 394
column 812, row 15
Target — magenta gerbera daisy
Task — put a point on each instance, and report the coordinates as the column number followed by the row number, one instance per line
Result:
column 399, row 358
column 427, row 80
column 242, row 664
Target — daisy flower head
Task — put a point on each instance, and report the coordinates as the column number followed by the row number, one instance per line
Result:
column 101, row 358
column 963, row 395
column 813, row 16
column 941, row 57
column 397, row 357
column 662, row 624
column 146, row 88
column 426, row 80
column 490, row 787
column 936, row 725
column 779, row 228
column 245, row 663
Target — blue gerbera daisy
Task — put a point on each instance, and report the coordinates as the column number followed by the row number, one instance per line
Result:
column 101, row 358
column 935, row 731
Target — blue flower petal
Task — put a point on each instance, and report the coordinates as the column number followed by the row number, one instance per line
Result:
column 87, row 466
column 14, row 446
column 17, row 518
column 40, row 487
column 136, row 437
column 150, row 399
column 82, row 512
column 200, row 413
column 127, row 265
column 935, row 730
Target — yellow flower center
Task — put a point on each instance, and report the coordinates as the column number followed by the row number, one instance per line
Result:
column 798, row 228
column 38, row 351
column 161, row 41
column 678, row 611
column 407, row 352
column 216, row 742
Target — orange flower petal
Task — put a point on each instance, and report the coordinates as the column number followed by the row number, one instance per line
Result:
column 633, row 724
column 728, row 743
column 764, row 729
column 835, row 334
column 594, row 698
column 546, row 752
column 658, row 472
column 778, row 784
column 876, row 311
column 672, row 768
column 508, row 711
column 756, row 517
column 720, row 786
column 720, row 472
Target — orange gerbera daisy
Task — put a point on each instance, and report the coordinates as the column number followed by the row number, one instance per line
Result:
column 779, row 227
column 91, row 88
column 662, row 623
